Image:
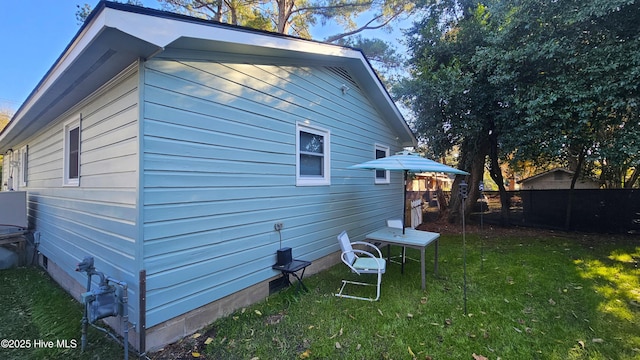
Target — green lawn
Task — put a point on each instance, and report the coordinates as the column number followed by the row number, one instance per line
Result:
column 555, row 296
column 36, row 311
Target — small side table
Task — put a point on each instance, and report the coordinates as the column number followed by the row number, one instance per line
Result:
column 291, row 269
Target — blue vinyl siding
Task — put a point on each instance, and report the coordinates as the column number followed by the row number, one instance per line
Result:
column 97, row 218
column 219, row 171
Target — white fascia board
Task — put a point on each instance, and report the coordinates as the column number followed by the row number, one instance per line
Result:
column 75, row 49
column 164, row 31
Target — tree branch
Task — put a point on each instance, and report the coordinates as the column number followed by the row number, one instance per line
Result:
column 320, row 9
column 364, row 27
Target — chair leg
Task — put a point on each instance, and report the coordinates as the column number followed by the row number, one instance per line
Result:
column 377, row 285
column 405, row 257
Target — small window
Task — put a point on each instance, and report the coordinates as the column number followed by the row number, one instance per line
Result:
column 72, row 153
column 382, row 176
column 313, row 165
column 24, row 165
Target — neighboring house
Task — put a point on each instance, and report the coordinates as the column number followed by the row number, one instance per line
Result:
column 430, row 182
column 167, row 147
column 556, row 179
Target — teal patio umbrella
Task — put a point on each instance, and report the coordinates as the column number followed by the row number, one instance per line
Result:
column 406, row 162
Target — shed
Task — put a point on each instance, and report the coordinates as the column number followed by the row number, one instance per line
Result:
column 556, row 179
column 167, row 147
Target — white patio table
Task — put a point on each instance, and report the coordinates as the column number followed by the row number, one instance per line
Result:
column 411, row 238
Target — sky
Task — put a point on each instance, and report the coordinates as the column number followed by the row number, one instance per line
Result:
column 33, row 34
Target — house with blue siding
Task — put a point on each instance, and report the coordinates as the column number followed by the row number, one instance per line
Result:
column 167, row 147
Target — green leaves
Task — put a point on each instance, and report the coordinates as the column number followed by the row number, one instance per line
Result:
column 544, row 76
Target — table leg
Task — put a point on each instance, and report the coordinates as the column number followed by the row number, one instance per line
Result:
column 424, row 285
column 435, row 269
column 300, row 283
column 285, row 279
column 22, row 251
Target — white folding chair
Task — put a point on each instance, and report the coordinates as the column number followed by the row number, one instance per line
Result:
column 397, row 223
column 361, row 262
column 394, row 223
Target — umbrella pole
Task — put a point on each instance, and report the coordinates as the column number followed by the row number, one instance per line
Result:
column 463, row 196
column 404, row 213
column 404, row 201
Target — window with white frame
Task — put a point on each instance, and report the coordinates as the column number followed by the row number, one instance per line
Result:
column 24, row 165
column 313, row 156
column 72, row 153
column 382, row 176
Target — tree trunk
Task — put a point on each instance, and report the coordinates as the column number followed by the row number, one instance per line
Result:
column 218, row 13
column 284, row 13
column 628, row 184
column 496, row 175
column 475, row 157
column 574, row 179
column 234, row 15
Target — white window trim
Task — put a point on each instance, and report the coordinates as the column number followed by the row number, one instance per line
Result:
column 387, row 175
column 67, row 127
column 13, row 174
column 24, row 164
column 314, row 181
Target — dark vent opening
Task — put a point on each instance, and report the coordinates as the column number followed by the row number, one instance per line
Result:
column 344, row 74
column 277, row 284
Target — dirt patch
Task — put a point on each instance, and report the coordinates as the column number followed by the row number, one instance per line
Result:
column 191, row 347
column 434, row 222
column 491, row 230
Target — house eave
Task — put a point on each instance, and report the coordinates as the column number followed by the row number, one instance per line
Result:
column 116, row 35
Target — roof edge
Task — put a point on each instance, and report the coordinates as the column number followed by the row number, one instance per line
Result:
column 101, row 18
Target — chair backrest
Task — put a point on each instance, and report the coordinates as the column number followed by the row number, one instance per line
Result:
column 345, row 246
column 394, row 223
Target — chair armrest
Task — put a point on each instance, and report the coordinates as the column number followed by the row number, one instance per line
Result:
column 368, row 244
column 356, row 251
column 344, row 260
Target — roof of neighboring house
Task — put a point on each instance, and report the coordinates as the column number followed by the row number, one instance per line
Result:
column 115, row 35
column 542, row 174
column 534, row 177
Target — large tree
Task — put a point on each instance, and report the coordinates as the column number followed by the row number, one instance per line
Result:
column 292, row 17
column 296, row 17
column 571, row 70
column 538, row 81
column 454, row 105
